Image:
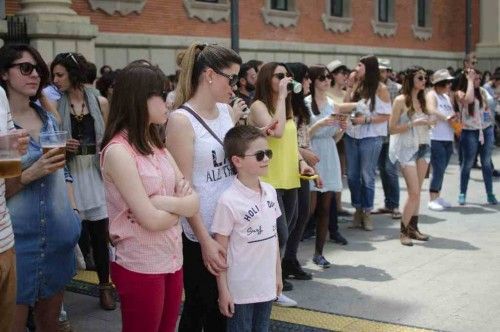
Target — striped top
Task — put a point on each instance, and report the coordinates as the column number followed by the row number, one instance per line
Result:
column 138, row 249
column 6, row 233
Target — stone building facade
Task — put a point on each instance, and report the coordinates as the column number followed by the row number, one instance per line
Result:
column 114, row 32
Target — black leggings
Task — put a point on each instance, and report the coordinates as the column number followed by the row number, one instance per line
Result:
column 95, row 234
column 200, row 310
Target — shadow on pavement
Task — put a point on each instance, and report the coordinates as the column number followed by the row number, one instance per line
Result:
column 360, row 272
column 443, row 243
column 473, row 209
column 426, row 219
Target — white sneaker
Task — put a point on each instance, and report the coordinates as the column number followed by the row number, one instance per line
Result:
column 435, row 206
column 444, row 203
column 285, row 301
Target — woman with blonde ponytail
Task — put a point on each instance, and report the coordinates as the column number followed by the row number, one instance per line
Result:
column 202, row 118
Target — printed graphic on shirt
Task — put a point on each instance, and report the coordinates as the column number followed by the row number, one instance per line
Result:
column 221, row 168
column 258, row 226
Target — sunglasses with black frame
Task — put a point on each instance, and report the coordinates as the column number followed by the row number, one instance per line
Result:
column 233, row 79
column 26, row 68
column 259, row 155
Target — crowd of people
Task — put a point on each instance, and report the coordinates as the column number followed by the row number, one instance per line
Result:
column 206, row 181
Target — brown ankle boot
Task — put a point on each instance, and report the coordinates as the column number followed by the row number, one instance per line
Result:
column 413, row 231
column 403, row 236
column 106, row 299
column 367, row 221
column 357, row 219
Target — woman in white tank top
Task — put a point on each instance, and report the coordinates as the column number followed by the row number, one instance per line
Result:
column 409, row 144
column 208, row 75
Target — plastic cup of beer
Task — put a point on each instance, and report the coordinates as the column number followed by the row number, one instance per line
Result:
column 10, row 159
column 54, row 140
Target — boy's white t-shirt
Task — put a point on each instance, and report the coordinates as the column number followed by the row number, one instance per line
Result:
column 249, row 219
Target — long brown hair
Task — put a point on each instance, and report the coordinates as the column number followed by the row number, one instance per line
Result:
column 408, row 87
column 194, row 60
column 264, row 91
column 134, row 85
column 368, row 87
column 462, row 86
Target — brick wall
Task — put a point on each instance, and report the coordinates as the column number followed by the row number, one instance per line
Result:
column 168, row 17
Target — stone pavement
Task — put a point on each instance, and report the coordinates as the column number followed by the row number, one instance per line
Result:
column 451, row 283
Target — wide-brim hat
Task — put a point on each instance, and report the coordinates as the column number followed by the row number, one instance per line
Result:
column 335, row 65
column 441, row 75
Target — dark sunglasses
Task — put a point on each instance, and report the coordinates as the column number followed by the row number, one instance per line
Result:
column 163, row 95
column 421, row 78
column 281, row 76
column 233, row 79
column 70, row 55
column 323, row 77
column 26, row 68
column 259, row 155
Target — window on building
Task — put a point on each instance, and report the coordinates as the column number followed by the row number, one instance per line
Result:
column 208, row 10
column 337, row 16
column 280, row 13
column 337, row 8
column 383, row 11
column 422, row 26
column 422, row 13
column 279, row 4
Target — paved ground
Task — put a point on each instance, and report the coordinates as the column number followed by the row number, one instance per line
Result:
column 451, row 283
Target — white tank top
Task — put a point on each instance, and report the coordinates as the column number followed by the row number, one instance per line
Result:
column 212, row 172
column 442, row 131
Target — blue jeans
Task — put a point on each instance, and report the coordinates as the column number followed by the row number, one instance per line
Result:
column 390, row 178
column 469, row 143
column 251, row 317
column 362, row 157
column 441, row 152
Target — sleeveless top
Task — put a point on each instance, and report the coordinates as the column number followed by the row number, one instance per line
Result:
column 212, row 173
column 442, row 131
column 283, row 170
column 138, row 249
column 403, row 146
column 370, row 129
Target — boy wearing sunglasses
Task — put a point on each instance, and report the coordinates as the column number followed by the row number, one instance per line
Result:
column 245, row 225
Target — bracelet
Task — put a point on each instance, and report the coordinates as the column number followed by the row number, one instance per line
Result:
column 76, row 210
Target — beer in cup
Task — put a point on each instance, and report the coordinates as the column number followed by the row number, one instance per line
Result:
column 54, row 140
column 10, row 159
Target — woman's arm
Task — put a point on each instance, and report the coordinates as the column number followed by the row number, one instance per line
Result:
column 103, row 102
column 346, row 107
column 226, row 303
column 48, row 163
column 394, row 126
column 261, row 117
column 180, row 143
column 120, row 167
column 51, row 107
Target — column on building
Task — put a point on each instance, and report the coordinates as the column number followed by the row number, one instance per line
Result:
column 488, row 48
column 54, row 27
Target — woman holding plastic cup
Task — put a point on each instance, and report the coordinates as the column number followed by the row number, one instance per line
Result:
column 46, row 228
column 83, row 115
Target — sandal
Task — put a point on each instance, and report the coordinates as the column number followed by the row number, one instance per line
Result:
column 395, row 214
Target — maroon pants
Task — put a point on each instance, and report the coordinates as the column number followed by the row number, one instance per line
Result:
column 149, row 302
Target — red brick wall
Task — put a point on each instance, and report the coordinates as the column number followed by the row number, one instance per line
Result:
column 168, row 17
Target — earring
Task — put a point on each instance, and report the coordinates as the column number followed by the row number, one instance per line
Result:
column 210, row 82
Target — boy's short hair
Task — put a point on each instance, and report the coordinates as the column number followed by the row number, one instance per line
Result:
column 238, row 139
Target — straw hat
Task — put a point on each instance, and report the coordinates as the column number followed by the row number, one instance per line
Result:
column 384, row 63
column 334, row 65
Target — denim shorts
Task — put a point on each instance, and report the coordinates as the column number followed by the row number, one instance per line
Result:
column 423, row 152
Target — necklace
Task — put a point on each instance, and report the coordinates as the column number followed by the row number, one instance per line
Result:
column 78, row 117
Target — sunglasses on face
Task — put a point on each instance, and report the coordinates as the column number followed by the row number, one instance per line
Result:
column 281, row 76
column 233, row 79
column 421, row 78
column 26, row 68
column 259, row 155
column 323, row 77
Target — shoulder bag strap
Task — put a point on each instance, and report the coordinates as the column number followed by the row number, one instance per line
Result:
column 203, row 123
